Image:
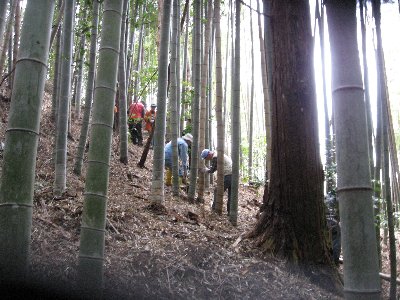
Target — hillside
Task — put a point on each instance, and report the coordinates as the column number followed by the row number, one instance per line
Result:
column 181, row 252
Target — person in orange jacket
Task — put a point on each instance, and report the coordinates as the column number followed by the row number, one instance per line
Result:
column 150, row 117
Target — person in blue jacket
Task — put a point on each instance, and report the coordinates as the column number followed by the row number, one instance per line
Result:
column 184, row 143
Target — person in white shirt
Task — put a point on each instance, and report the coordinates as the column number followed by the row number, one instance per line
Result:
column 207, row 154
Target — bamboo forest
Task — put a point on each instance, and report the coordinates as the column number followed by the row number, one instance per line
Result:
column 203, row 149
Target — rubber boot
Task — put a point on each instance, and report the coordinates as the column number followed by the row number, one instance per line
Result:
column 168, row 177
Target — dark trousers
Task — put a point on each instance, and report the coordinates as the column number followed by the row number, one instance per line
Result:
column 136, row 133
column 227, row 186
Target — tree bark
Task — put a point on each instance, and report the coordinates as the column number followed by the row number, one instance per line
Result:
column 235, row 117
column 384, row 102
column 173, row 100
column 91, row 247
column 89, row 91
column 157, row 183
column 366, row 83
column 218, row 110
column 354, row 192
column 3, row 11
column 22, row 135
column 122, row 101
column 79, row 75
column 7, row 36
column 131, row 51
column 64, row 102
column 17, row 26
column 203, row 99
column 251, row 117
column 292, row 221
column 266, row 61
column 57, row 75
column 196, row 99
column 56, row 26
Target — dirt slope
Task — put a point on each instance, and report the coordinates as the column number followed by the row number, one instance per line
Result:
column 181, row 252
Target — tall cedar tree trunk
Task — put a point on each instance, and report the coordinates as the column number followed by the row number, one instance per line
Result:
column 122, row 101
column 89, row 90
column 235, row 121
column 384, row 102
column 157, row 184
column 354, row 192
column 292, row 221
column 196, row 98
column 218, row 110
column 173, row 99
column 64, row 101
column 91, row 247
column 203, row 100
column 22, row 135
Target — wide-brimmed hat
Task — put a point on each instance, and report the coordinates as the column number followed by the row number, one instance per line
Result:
column 188, row 137
column 153, row 105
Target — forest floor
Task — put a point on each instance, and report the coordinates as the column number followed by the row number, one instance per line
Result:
column 184, row 251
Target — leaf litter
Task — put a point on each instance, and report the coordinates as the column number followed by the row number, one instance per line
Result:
column 179, row 250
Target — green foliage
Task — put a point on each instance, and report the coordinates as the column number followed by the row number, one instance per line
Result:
column 188, row 129
column 259, row 154
column 379, row 204
column 147, row 77
column 330, row 177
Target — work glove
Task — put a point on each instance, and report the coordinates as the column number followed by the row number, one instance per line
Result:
column 204, row 170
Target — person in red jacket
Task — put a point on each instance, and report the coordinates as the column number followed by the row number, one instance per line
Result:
column 135, row 119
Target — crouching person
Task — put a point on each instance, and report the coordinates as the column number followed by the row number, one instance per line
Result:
column 207, row 154
column 184, row 143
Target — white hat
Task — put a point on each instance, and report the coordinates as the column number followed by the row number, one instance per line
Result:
column 188, row 137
